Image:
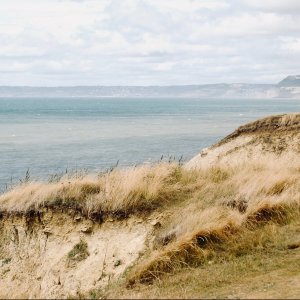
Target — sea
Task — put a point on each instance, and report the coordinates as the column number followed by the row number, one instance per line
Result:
column 41, row 137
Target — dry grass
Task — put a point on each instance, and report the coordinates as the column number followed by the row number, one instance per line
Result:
column 210, row 210
column 242, row 266
column 230, row 235
column 290, row 119
column 268, row 192
column 257, row 274
column 271, row 123
column 120, row 192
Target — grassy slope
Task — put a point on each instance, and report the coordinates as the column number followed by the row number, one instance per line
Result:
column 221, row 223
column 258, row 275
column 260, row 263
column 267, row 270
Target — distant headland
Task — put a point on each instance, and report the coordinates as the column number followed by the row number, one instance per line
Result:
column 289, row 87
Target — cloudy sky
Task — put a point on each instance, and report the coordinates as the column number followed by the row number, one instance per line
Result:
column 148, row 42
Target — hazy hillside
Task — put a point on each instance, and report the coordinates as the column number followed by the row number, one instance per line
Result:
column 287, row 88
column 226, row 224
column 290, row 81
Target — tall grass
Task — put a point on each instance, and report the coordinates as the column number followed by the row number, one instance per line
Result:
column 206, row 207
column 268, row 192
column 119, row 191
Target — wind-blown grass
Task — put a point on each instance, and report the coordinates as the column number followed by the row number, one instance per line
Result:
column 119, row 192
column 206, row 207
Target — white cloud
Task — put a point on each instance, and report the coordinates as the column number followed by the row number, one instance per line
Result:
column 190, row 5
column 7, row 67
column 276, row 5
column 73, row 42
column 165, row 66
column 245, row 25
column 291, row 44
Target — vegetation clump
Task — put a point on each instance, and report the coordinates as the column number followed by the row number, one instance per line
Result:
column 79, row 252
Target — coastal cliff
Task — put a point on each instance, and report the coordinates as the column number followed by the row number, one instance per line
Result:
column 233, row 208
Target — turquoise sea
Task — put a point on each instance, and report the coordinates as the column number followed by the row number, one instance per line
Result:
column 50, row 135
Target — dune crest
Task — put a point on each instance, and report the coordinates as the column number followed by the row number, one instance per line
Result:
column 269, row 138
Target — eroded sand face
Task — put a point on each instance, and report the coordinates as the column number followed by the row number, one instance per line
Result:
column 34, row 260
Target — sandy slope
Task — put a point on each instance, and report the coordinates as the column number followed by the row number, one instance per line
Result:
column 34, row 254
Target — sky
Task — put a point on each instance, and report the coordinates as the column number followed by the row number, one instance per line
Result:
column 148, row 42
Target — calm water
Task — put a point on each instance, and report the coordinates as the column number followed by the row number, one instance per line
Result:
column 47, row 136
